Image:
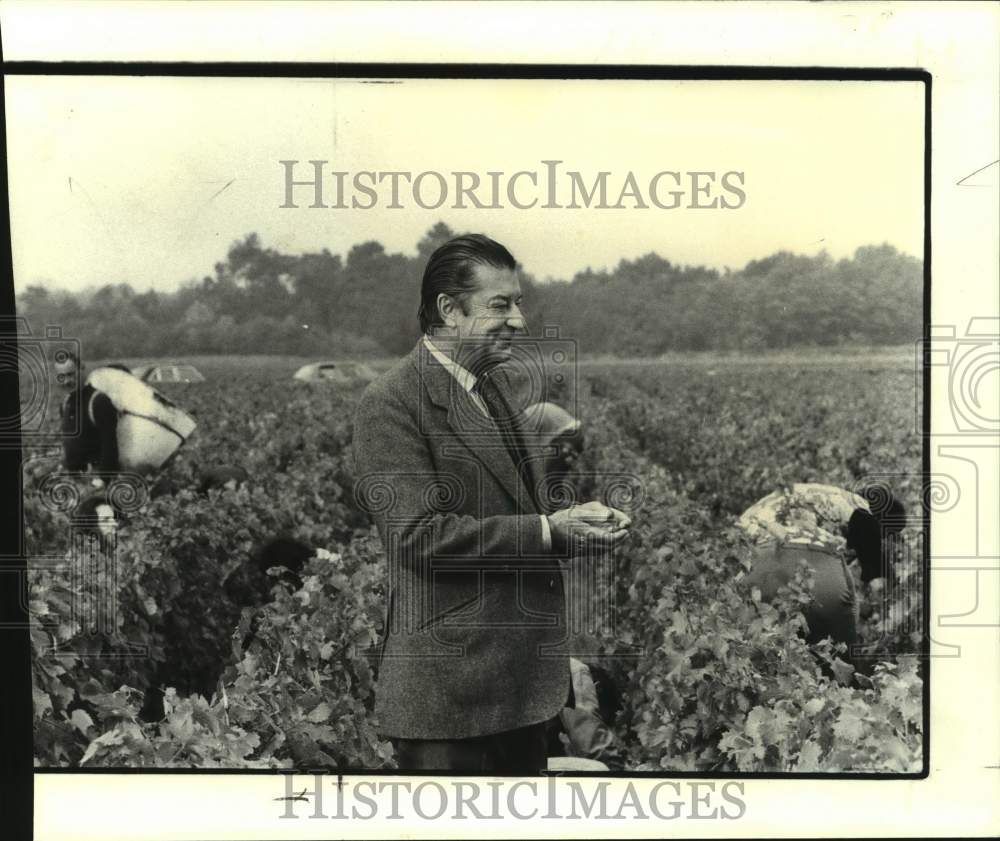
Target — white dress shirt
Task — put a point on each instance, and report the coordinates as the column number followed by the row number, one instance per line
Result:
column 467, row 380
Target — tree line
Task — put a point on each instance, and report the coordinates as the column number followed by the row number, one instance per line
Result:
column 259, row 300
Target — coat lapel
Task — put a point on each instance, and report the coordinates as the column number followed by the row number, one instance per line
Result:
column 477, row 432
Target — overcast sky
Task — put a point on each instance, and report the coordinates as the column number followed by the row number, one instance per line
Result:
column 125, row 179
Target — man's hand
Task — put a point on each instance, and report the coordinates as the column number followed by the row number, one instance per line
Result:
column 589, row 524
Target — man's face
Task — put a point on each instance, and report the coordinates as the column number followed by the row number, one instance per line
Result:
column 67, row 374
column 491, row 316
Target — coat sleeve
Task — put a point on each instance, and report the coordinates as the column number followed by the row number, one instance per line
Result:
column 398, row 483
column 74, row 452
column 74, row 457
column 106, row 418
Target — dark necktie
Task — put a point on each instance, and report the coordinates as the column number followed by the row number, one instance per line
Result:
column 486, row 387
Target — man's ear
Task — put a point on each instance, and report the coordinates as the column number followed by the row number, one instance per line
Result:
column 446, row 308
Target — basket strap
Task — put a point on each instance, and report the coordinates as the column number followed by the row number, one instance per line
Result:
column 158, row 422
column 90, row 407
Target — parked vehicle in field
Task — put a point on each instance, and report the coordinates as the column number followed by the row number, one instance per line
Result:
column 169, row 372
column 341, row 373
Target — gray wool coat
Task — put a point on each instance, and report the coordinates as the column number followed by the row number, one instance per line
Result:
column 476, row 630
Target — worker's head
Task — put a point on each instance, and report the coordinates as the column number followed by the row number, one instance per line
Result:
column 567, row 448
column 552, row 427
column 163, row 486
column 227, row 477
column 96, row 515
column 870, row 534
column 284, row 551
column 68, row 369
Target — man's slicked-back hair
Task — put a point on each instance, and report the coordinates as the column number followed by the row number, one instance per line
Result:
column 449, row 272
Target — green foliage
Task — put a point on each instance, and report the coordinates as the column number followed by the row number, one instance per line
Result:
column 266, row 670
column 184, row 568
column 741, row 432
column 819, row 726
column 304, row 682
column 715, row 679
column 192, row 734
column 299, row 692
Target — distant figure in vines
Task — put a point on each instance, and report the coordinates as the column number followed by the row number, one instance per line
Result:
column 582, row 730
column 113, row 423
column 827, row 527
column 89, row 422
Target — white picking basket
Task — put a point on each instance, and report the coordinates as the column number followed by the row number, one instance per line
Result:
column 151, row 428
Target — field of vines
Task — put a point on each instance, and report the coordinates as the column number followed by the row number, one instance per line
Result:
column 263, row 669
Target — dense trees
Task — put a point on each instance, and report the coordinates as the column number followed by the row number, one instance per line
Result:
column 260, row 300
